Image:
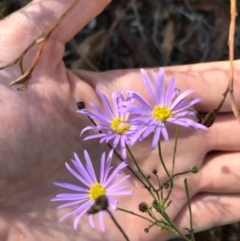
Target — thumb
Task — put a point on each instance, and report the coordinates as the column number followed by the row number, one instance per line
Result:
column 29, row 22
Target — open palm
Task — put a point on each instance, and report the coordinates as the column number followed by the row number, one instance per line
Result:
column 40, row 131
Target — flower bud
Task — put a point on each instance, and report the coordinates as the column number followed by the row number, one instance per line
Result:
column 194, row 169
column 143, row 207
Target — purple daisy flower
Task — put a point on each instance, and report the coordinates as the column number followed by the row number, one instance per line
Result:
column 166, row 106
column 110, row 121
column 84, row 197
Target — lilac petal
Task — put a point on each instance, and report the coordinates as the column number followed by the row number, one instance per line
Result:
column 123, row 149
column 77, row 175
column 123, row 193
column 70, row 186
column 141, row 100
column 179, row 122
column 72, row 196
column 137, row 135
column 81, row 169
column 86, row 129
column 102, row 116
column 116, row 189
column 102, row 167
column 115, row 104
column 118, row 182
column 101, row 221
column 160, row 91
column 85, row 206
column 148, row 131
column 164, row 133
column 112, row 203
column 170, row 92
column 182, row 114
column 109, row 159
column 89, row 166
column 148, row 85
column 112, row 200
column 156, row 137
column 115, row 173
column 95, row 136
column 107, row 137
column 101, row 112
column 176, row 92
column 105, row 102
column 158, row 86
column 90, row 220
column 134, row 109
column 107, row 168
column 187, row 105
column 181, row 97
column 69, row 204
column 77, row 219
column 197, row 125
column 200, row 126
column 96, row 108
column 116, row 141
column 142, row 121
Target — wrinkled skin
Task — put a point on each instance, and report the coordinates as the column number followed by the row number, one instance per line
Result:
column 40, row 131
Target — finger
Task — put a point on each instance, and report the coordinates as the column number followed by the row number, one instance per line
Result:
column 224, row 135
column 18, row 30
column 220, row 173
column 209, row 80
column 210, row 211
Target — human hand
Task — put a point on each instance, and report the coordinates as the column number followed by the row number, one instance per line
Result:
column 215, row 189
column 40, row 131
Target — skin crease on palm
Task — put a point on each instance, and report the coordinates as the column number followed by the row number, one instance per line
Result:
column 40, row 131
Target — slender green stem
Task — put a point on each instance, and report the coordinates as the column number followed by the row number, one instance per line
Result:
column 157, row 222
column 171, row 223
column 166, row 170
column 142, row 174
column 159, row 188
column 190, row 210
column 117, row 225
column 135, row 214
column 161, row 159
column 175, row 149
column 178, row 174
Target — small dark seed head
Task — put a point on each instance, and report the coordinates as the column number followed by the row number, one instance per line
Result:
column 166, row 185
column 194, row 169
column 143, row 207
column 154, row 171
column 80, row 105
column 146, row 230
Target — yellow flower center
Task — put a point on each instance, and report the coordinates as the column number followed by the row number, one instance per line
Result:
column 161, row 113
column 96, row 190
column 118, row 127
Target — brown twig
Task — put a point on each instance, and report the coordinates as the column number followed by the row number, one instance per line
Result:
column 41, row 41
column 233, row 13
column 211, row 116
